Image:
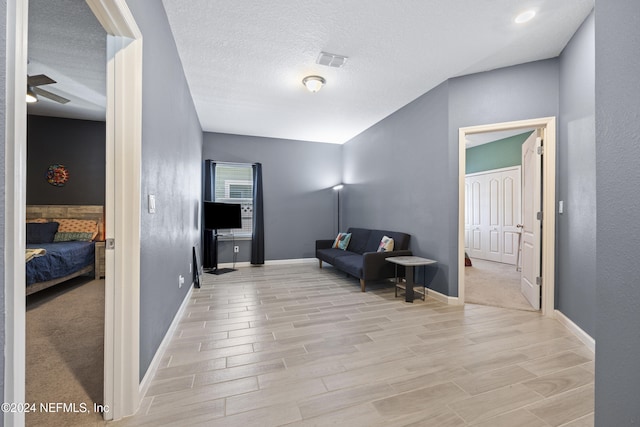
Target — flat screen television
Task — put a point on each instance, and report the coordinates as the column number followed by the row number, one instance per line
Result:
column 222, row 216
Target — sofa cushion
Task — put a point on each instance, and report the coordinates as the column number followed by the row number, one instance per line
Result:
column 351, row 264
column 330, row 255
column 359, row 239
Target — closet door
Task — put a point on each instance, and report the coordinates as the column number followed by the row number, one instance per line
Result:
column 510, row 215
column 476, row 246
column 492, row 228
column 492, row 213
column 467, row 216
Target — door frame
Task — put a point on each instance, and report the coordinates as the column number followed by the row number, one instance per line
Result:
column 548, row 126
column 122, row 207
column 124, row 118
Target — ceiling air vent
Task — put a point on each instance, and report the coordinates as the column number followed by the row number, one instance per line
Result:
column 331, row 60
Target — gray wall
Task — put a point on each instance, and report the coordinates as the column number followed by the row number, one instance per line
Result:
column 395, row 174
column 3, row 103
column 576, row 234
column 416, row 150
column 299, row 204
column 618, row 228
column 520, row 92
column 171, row 165
column 77, row 144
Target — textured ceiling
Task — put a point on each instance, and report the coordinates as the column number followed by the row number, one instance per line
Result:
column 67, row 43
column 245, row 60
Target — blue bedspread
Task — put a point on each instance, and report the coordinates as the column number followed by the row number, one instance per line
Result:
column 61, row 259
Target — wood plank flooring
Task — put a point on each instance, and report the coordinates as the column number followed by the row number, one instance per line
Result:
column 301, row 346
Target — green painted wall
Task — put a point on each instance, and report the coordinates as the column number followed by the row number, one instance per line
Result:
column 497, row 154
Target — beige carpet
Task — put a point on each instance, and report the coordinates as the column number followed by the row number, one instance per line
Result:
column 495, row 284
column 64, row 354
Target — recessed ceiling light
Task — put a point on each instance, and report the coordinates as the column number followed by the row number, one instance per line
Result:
column 525, row 16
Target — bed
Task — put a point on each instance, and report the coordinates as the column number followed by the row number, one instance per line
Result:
column 72, row 254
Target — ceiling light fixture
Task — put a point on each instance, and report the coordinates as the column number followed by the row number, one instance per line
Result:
column 313, row 83
column 31, row 95
column 525, row 16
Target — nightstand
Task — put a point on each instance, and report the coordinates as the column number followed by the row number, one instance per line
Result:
column 99, row 262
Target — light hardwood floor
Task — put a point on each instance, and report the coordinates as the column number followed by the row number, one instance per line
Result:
column 299, row 346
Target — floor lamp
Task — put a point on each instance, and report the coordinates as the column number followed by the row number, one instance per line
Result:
column 337, row 188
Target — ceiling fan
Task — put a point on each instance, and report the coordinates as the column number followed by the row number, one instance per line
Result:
column 33, row 90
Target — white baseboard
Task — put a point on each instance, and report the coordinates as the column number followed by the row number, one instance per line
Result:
column 292, row 261
column 443, row 298
column 576, row 330
column 155, row 362
column 270, row 262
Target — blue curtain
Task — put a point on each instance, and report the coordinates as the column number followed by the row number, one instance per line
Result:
column 209, row 195
column 257, row 239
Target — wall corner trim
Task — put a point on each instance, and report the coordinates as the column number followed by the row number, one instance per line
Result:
column 162, row 348
column 576, row 330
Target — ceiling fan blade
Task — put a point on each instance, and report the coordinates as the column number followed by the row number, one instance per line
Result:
column 49, row 95
column 39, row 80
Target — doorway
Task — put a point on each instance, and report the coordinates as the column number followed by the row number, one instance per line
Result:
column 493, row 220
column 546, row 131
column 123, row 141
column 66, row 124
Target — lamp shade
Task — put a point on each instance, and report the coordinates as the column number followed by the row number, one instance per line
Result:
column 313, row 83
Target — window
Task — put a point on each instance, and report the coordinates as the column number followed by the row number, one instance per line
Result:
column 234, row 184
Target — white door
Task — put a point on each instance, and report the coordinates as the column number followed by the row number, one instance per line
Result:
column 494, row 229
column 511, row 206
column 492, row 204
column 531, row 172
column 467, row 217
column 476, row 246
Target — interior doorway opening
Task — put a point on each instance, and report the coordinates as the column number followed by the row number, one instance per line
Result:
column 545, row 133
column 124, row 86
column 66, row 124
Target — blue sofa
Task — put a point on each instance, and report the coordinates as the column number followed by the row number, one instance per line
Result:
column 361, row 258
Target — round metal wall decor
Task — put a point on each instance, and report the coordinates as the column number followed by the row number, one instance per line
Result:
column 57, row 175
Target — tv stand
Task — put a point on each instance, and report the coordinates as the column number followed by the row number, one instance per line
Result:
column 216, row 270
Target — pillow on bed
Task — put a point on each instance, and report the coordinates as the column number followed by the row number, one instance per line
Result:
column 41, row 232
column 70, row 236
column 78, row 226
column 37, row 220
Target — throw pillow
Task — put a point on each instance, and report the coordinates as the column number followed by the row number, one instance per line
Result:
column 70, row 236
column 41, row 232
column 78, row 225
column 37, row 220
column 342, row 241
column 386, row 244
